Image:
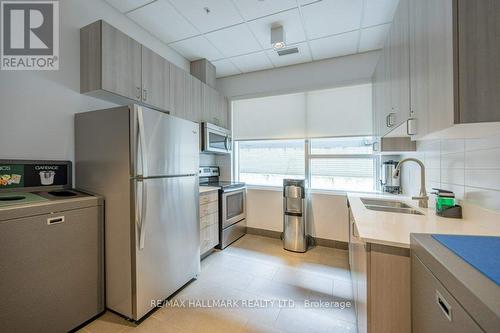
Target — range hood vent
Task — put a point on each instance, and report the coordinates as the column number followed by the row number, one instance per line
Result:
column 288, row 51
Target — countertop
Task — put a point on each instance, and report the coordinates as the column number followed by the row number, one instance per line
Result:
column 205, row 189
column 394, row 228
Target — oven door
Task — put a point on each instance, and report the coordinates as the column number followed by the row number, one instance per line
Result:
column 216, row 141
column 233, row 206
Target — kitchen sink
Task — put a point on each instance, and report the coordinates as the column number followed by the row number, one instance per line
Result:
column 390, row 206
column 394, row 209
column 384, row 203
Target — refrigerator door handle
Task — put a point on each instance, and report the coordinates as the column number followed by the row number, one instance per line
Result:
column 142, row 139
column 142, row 225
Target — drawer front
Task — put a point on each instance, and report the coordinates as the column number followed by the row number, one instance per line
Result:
column 209, row 197
column 209, row 238
column 209, row 208
column 208, row 220
column 433, row 308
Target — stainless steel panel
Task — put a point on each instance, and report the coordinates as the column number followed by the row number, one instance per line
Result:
column 171, row 144
column 232, row 233
column 170, row 257
column 295, row 237
column 228, row 219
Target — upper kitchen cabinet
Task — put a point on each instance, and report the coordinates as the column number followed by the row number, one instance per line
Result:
column 214, row 107
column 392, row 76
column 477, row 57
column 155, row 80
column 110, row 61
column 399, row 66
column 452, row 51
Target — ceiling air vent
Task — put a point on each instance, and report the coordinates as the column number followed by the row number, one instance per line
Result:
column 285, row 52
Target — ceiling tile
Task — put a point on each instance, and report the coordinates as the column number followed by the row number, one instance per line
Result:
column 329, row 17
column 303, row 56
column 127, row 5
column 379, row 11
column 373, row 38
column 196, row 48
column 290, row 20
column 222, row 14
column 163, row 21
column 224, row 67
column 252, row 62
column 233, row 41
column 252, row 9
column 334, row 46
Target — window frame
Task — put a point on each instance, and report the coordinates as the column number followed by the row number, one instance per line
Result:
column 308, row 158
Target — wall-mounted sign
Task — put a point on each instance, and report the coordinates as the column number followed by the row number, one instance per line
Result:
column 33, row 174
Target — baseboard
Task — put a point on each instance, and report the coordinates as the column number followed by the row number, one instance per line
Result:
column 318, row 241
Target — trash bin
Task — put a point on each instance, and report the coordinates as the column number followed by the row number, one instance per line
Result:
column 294, row 217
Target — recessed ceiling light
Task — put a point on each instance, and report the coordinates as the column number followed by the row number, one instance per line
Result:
column 278, row 37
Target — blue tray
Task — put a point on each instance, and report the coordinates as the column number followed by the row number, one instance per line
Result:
column 481, row 252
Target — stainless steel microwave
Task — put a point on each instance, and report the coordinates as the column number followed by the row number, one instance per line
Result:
column 215, row 139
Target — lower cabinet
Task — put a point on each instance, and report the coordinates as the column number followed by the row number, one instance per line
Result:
column 381, row 285
column 209, row 221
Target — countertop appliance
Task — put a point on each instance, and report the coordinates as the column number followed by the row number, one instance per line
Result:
column 294, row 215
column 51, row 245
column 455, row 283
column 388, row 183
column 145, row 164
column 232, row 205
column 215, row 139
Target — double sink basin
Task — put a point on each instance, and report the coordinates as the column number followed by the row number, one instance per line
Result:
column 391, row 206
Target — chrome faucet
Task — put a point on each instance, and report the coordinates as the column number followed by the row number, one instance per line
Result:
column 423, row 198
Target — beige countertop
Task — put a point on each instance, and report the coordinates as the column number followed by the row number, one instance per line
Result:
column 395, row 228
column 205, row 189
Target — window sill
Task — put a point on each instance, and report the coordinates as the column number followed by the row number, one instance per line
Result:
column 313, row 191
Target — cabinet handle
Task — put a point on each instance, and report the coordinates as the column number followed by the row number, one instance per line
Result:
column 389, row 119
column 138, row 92
column 145, row 94
column 443, row 305
column 55, row 220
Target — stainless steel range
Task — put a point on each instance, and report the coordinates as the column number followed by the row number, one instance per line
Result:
column 232, row 205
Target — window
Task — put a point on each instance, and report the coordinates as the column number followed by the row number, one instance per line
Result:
column 342, row 164
column 268, row 162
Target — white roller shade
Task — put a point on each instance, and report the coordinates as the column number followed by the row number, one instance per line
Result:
column 345, row 111
column 275, row 117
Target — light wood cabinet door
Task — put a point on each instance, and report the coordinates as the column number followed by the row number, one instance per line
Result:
column 400, row 66
column 478, row 49
column 121, row 63
column 193, row 99
column 155, row 80
column 178, row 91
column 431, row 66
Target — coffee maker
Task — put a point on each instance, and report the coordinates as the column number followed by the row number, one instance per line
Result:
column 388, row 183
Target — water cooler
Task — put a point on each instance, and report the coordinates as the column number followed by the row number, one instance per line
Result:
column 388, row 183
column 294, row 216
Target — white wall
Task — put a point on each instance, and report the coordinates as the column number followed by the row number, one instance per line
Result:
column 328, row 216
column 321, row 74
column 465, row 160
column 37, row 108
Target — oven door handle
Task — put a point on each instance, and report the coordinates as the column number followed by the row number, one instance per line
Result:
column 232, row 190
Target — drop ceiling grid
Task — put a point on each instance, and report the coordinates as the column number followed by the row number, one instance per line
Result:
column 379, row 15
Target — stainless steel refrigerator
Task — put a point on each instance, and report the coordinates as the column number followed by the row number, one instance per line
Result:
column 145, row 164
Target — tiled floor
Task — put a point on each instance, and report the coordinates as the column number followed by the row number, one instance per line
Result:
column 252, row 273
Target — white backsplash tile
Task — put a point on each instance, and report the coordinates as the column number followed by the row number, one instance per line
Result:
column 483, row 159
column 469, row 166
column 483, row 178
